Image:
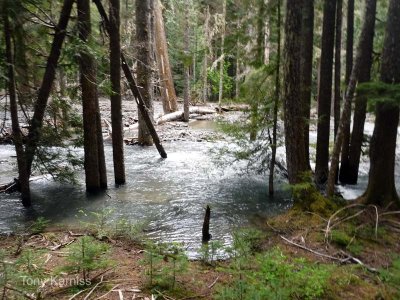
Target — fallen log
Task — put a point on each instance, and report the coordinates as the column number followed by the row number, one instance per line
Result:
column 13, row 186
column 178, row 115
column 235, row 107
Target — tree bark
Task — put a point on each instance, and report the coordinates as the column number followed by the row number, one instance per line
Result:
column 360, row 108
column 221, row 63
column 343, row 173
column 307, row 37
column 186, row 92
column 205, row 61
column 134, row 88
column 363, row 55
column 167, row 83
column 89, row 101
column 338, row 47
column 325, row 92
column 143, row 15
column 293, row 111
column 116, row 102
column 47, row 82
column 381, row 188
column 276, row 103
column 23, row 175
column 100, row 144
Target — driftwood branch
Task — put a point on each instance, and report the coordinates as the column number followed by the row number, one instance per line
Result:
column 348, row 258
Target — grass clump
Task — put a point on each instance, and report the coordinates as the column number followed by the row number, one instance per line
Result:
column 273, row 275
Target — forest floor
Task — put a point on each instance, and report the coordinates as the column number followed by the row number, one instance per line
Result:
column 290, row 256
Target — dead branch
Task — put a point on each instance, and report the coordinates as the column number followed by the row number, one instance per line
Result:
column 311, row 250
column 23, row 293
column 214, row 282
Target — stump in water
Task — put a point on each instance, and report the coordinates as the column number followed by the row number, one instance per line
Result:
column 206, row 226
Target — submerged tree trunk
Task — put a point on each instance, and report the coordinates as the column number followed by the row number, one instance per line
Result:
column 47, row 82
column 325, row 92
column 222, row 61
column 89, row 100
column 167, row 83
column 143, row 17
column 363, row 56
column 100, row 147
column 293, row 117
column 381, row 188
column 306, row 59
column 276, row 103
column 116, row 102
column 343, row 173
column 23, row 175
column 133, row 86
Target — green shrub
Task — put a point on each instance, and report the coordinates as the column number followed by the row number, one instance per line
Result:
column 163, row 262
column 87, row 255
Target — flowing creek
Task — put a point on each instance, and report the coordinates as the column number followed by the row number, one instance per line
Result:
column 169, row 195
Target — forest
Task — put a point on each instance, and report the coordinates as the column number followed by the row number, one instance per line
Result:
column 196, row 149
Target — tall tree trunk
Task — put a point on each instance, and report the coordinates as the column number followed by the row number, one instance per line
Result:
column 338, row 48
column 362, row 58
column 133, row 86
column 276, row 103
column 143, row 17
column 360, row 109
column 23, row 175
column 381, row 188
column 47, row 82
column 186, row 92
column 116, row 102
column 343, row 173
column 293, row 118
column 221, row 63
column 205, row 61
column 167, row 83
column 306, row 59
column 89, row 101
column 325, row 92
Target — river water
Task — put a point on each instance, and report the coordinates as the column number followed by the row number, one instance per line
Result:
column 170, row 195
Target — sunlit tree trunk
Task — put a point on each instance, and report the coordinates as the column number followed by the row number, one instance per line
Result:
column 325, row 92
column 23, row 175
column 168, row 90
column 144, row 72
